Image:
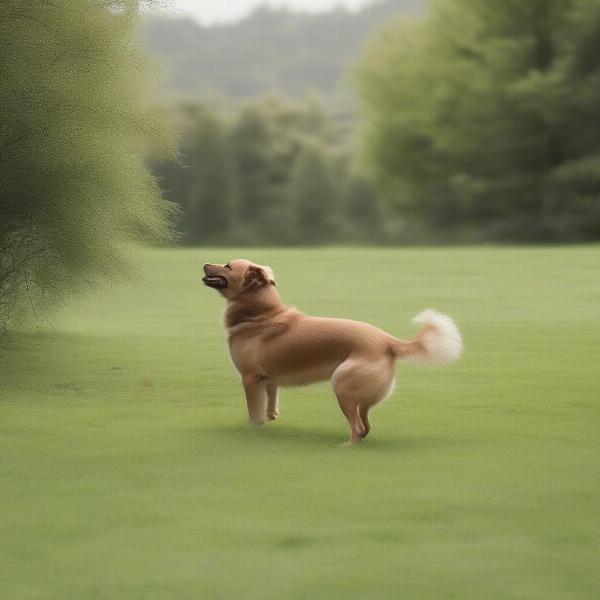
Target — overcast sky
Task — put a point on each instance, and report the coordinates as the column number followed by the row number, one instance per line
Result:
column 219, row 11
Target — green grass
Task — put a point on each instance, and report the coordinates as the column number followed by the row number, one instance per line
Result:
column 127, row 470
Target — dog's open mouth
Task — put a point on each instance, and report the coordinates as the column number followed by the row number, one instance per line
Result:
column 215, row 281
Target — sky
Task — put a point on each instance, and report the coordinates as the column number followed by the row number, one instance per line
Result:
column 223, row 11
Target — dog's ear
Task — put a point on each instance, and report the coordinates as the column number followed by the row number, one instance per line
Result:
column 256, row 277
column 270, row 275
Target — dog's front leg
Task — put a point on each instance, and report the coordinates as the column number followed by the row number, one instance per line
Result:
column 272, row 401
column 256, row 398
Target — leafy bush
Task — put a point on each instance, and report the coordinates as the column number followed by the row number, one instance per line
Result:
column 72, row 140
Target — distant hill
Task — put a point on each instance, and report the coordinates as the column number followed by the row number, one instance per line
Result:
column 270, row 50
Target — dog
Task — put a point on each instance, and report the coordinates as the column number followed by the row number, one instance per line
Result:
column 272, row 345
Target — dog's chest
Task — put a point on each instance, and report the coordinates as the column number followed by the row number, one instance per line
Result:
column 244, row 354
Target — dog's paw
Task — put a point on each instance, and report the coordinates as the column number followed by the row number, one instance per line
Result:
column 351, row 443
column 272, row 416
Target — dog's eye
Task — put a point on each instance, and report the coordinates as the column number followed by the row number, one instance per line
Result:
column 228, row 266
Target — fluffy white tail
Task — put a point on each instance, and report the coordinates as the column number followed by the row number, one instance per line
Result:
column 438, row 343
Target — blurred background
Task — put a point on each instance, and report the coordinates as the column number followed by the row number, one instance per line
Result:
column 386, row 122
column 265, row 103
column 307, row 122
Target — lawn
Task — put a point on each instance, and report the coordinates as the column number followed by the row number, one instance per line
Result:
column 128, row 472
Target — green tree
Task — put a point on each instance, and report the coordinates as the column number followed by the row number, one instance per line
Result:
column 200, row 182
column 261, row 174
column 266, row 140
column 485, row 117
column 72, row 139
column 312, row 197
column 252, row 169
column 362, row 215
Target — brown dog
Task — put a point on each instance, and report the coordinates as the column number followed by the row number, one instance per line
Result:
column 272, row 344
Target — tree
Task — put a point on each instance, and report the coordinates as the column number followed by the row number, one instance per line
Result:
column 72, row 141
column 200, row 182
column 361, row 210
column 266, row 140
column 312, row 196
column 485, row 117
column 250, row 141
column 272, row 172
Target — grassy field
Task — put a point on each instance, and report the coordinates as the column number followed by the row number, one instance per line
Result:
column 127, row 470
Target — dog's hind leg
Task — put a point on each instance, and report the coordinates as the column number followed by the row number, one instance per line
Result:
column 363, row 411
column 347, row 381
column 272, row 401
column 350, row 409
column 384, row 390
column 359, row 384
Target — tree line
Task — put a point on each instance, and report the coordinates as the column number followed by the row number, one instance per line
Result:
column 272, row 172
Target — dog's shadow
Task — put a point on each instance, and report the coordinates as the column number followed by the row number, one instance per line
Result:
column 331, row 439
column 281, row 434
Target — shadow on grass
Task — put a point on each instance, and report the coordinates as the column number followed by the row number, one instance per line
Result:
column 278, row 433
column 329, row 439
column 32, row 360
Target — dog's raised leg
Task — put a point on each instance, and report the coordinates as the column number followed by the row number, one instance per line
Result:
column 256, row 398
column 272, row 401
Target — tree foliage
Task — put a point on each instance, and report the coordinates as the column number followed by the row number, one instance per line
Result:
column 72, row 139
column 312, row 196
column 484, row 120
column 271, row 172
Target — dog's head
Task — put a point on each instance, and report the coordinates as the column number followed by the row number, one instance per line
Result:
column 237, row 277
